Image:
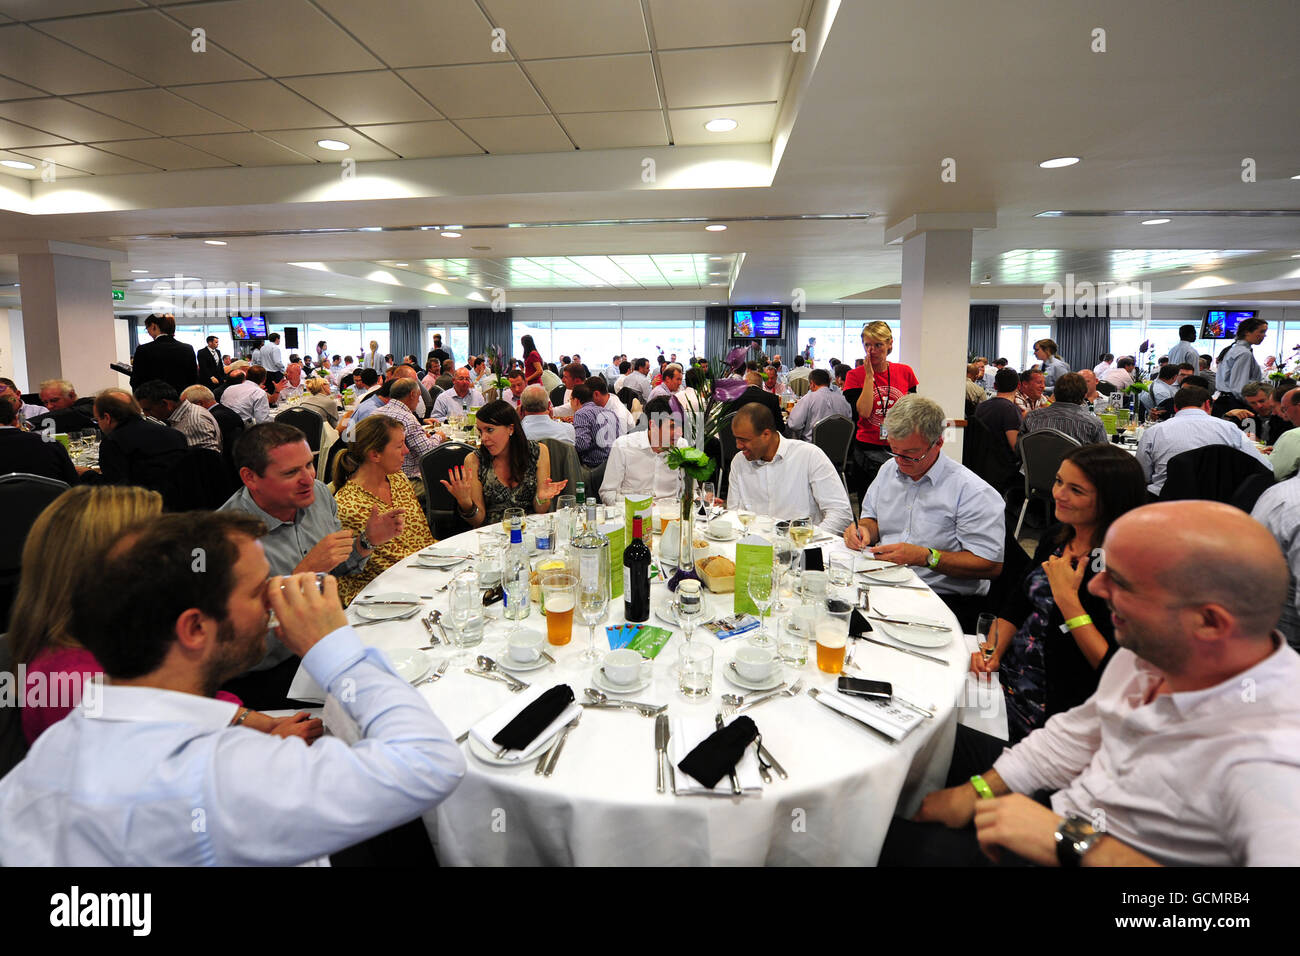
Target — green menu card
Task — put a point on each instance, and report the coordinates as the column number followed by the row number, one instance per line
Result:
column 617, row 541
column 752, row 551
column 638, row 506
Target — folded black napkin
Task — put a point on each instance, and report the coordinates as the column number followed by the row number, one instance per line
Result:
column 534, row 718
column 717, row 754
column 812, row 559
column 858, row 624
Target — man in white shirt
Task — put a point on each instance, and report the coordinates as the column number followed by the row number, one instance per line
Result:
column 516, row 390
column 152, row 770
column 638, row 380
column 271, row 359
column 799, row 371
column 535, row 411
column 784, row 477
column 1191, row 427
column 637, row 466
column 1186, row 753
column 1120, row 374
column 246, row 397
column 1102, row 367
column 1185, row 351
column 459, row 399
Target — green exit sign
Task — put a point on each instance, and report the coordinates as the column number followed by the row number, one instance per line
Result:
column 119, row 295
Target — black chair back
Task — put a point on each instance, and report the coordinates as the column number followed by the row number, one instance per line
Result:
column 983, row 454
column 198, row 480
column 13, row 745
column 851, row 396
column 22, row 498
column 1041, row 453
column 834, row 436
column 1212, row 472
column 309, row 420
column 331, row 454
column 626, row 396
column 1015, row 562
column 440, row 505
column 1106, row 388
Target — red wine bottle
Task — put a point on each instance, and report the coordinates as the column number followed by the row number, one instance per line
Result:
column 636, row 577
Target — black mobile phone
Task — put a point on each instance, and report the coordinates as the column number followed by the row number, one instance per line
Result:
column 871, row 689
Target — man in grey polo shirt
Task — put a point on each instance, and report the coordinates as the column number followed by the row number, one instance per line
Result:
column 303, row 534
column 1067, row 414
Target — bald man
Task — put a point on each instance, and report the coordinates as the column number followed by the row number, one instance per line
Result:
column 1186, row 754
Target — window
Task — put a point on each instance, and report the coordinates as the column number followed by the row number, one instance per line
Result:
column 594, row 341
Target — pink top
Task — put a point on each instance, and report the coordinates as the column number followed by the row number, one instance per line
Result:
column 49, row 697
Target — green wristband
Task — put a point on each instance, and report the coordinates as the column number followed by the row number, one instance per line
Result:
column 1079, row 621
column 934, row 559
column 982, row 788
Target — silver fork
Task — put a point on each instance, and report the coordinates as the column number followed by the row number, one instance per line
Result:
column 435, row 676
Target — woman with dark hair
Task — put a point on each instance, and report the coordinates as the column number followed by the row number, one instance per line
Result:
column 508, row 470
column 1053, row 366
column 1238, row 368
column 532, row 361
column 1053, row 637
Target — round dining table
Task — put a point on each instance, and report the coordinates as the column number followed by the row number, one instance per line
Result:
column 601, row 806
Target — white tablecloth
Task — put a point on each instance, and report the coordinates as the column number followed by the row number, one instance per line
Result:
column 600, row 807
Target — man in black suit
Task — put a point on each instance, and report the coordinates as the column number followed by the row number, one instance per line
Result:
column 29, row 452
column 68, row 412
column 756, row 393
column 134, row 450
column 211, row 372
column 164, row 358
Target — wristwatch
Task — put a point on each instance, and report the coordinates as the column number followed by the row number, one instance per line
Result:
column 1074, row 837
column 364, row 543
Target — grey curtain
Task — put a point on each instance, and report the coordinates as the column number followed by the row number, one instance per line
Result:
column 982, row 337
column 1082, row 338
column 404, row 335
column 132, row 331
column 487, row 328
column 715, row 331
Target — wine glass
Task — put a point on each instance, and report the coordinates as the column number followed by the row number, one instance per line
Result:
column 593, row 606
column 690, row 606
column 801, row 531
column 988, row 639
column 708, row 495
column 784, row 558
column 745, row 517
column 761, row 586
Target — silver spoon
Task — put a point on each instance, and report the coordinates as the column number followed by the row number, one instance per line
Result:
column 604, row 700
column 487, row 664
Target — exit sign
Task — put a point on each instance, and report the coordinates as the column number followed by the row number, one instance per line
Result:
column 119, row 295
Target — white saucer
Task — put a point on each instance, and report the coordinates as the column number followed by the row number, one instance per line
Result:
column 601, row 682
column 490, row 757
column 775, row 680
column 387, row 612
column 735, row 533
column 507, row 663
column 411, row 664
column 916, row 636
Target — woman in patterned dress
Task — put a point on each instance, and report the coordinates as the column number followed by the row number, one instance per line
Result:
column 369, row 473
column 508, row 471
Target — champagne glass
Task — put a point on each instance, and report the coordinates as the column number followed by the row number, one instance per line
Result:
column 784, row 558
column 593, row 606
column 801, row 531
column 745, row 517
column 761, row 586
column 988, row 639
column 708, row 495
column 689, row 606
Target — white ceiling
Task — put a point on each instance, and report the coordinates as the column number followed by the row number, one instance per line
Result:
column 151, row 139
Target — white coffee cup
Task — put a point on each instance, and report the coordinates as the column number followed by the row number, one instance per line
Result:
column 722, row 527
column 755, row 663
column 623, row 667
column 526, row 646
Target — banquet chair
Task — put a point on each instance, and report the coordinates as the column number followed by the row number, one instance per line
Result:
column 22, row 498
column 834, row 436
column 799, row 386
column 308, row 421
column 197, row 480
column 326, row 470
column 565, row 465
column 980, row 452
column 440, row 506
column 726, row 452
column 851, row 396
column 13, row 745
column 1212, row 472
column 1041, row 453
column 626, row 396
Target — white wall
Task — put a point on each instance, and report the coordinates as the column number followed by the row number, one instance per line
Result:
column 13, row 350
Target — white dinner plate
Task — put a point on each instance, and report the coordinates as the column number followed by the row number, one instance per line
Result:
column 602, row 682
column 916, row 636
column 386, row 612
column 744, row 683
column 512, row 758
column 445, row 551
column 411, row 664
column 886, row 571
column 436, row 561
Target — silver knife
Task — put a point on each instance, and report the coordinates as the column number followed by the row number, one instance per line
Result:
column 763, row 770
column 767, row 755
column 905, row 650
column 735, row 781
column 901, row 623
column 661, row 751
column 672, row 771
column 758, row 700
column 559, row 745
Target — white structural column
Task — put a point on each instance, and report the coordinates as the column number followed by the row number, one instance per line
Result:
column 67, row 307
column 935, row 313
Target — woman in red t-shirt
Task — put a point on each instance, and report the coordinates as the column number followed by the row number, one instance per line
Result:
column 889, row 382
column 532, row 361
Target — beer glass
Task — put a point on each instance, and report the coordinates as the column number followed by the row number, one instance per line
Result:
column 559, row 594
column 832, row 636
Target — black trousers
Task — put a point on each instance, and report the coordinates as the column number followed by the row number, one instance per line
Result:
column 405, row 845
column 268, row 689
column 967, row 608
column 867, row 461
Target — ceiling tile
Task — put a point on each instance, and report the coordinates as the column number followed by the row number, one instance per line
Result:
column 592, row 84
column 279, row 37
column 572, row 28
column 159, row 111
column 12, row 90
column 487, row 89
column 90, row 160
column 148, row 44
column 246, row 149
column 416, row 32
column 13, row 134
column 46, row 63
column 365, row 98
column 689, row 23
column 756, row 125
column 39, row 9
column 258, row 104
column 743, row 74
column 60, row 172
column 164, row 153
column 616, row 130
column 304, row 141
column 423, row 140
column 69, row 120
column 517, row 134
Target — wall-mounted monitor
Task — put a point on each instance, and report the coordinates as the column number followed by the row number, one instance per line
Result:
column 1222, row 323
column 244, row 328
column 757, row 323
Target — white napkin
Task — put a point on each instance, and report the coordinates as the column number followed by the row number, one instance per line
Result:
column 491, row 725
column 687, row 732
column 304, row 687
column 893, row 720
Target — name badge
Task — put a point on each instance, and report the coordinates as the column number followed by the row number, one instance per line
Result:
column 884, row 432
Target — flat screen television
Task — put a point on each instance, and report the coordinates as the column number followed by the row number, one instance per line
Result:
column 246, row 327
column 1222, row 324
column 757, row 323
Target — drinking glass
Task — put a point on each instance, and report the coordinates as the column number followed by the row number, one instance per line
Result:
column 559, row 593
column 841, row 572
column 695, row 678
column 516, row 582
column 467, row 613
column 491, row 560
column 784, row 557
column 565, row 508
column 593, row 605
column 986, row 633
column 832, row 636
column 273, row 622
column 507, row 517
column 689, row 607
column 801, row 532
column 761, row 587
column 708, row 495
column 792, row 647
column 542, row 525
column 745, row 517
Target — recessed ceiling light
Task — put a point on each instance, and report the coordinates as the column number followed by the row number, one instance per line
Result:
column 1058, row 162
column 448, row 234
column 1295, row 177
column 213, row 242
column 333, row 144
column 141, row 271
column 1154, row 222
column 481, row 248
column 372, row 228
column 331, row 293
column 401, row 265
column 388, row 300
column 721, row 125
column 16, row 164
column 716, row 227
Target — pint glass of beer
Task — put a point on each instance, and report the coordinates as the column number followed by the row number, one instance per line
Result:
column 832, row 636
column 559, row 593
